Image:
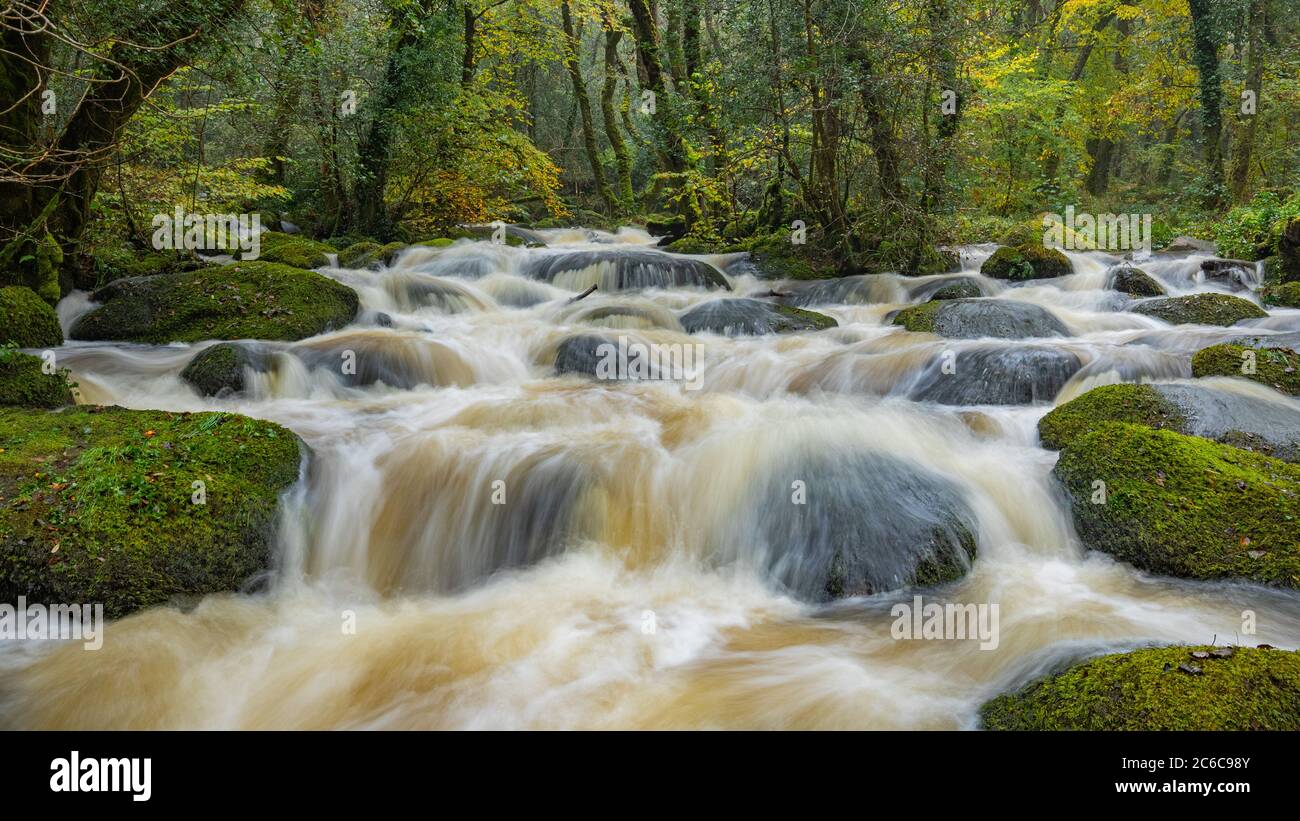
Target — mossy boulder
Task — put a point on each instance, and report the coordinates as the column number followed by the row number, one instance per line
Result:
column 1283, row 295
column 691, row 245
column 436, row 242
column 219, row 370
column 1238, row 419
column 26, row 320
column 1132, row 280
column 743, row 316
column 298, row 252
column 1288, row 249
column 1201, row 309
column 775, row 256
column 1279, row 368
column 1026, row 262
column 245, row 300
column 365, row 254
column 114, row 262
column 100, row 504
column 1163, row 688
column 959, row 288
column 23, row 382
column 1029, row 232
column 977, row 318
column 1184, row 506
column 37, row 266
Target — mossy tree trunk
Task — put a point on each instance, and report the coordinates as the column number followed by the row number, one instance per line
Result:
column 572, row 63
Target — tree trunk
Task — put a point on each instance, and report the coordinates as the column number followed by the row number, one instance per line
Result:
column 622, row 159
column 573, row 45
column 1245, row 146
column 1205, row 53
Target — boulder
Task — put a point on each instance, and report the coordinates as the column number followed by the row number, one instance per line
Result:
column 1279, row 368
column 246, row 300
column 100, row 504
column 1162, row 688
column 1131, row 280
column 220, row 369
column 26, row 320
column 739, row 317
column 976, row 318
column 1026, row 262
column 1010, row 375
column 1200, row 309
column 23, row 382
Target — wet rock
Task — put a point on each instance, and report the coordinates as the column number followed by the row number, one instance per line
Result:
column 1026, row 262
column 618, row 270
column 23, row 382
column 246, row 300
column 131, row 550
column 1279, row 368
column 871, row 523
column 1288, row 248
column 1249, row 689
column 1268, row 427
column 976, row 318
column 294, row 251
column 1237, row 274
column 26, row 320
column 951, row 288
column 1188, row 245
column 738, row 317
column 1184, row 506
column 861, row 289
column 1200, row 309
column 1283, row 295
column 1133, row 281
column 220, row 369
column 1018, row 375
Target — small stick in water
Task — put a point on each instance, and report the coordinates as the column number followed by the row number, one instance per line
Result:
column 774, row 293
column 583, row 295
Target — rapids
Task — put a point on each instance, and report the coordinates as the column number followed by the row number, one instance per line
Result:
column 638, row 574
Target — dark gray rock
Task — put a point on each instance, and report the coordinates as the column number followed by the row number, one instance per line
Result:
column 620, row 269
column 1131, row 280
column 1004, row 375
column 999, row 318
column 742, row 316
column 1271, row 428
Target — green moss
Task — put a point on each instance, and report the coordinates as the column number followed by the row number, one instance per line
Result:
column 1201, row 309
column 691, row 245
column 359, row 255
column 246, row 300
column 1285, row 295
column 98, row 504
column 26, row 320
column 801, row 320
column 436, row 242
column 23, row 382
column 219, row 369
column 1238, row 688
column 37, row 267
column 1139, row 404
column 117, row 262
column 1184, row 506
column 1279, row 368
column 288, row 249
column 1026, row 262
column 919, row 318
column 964, row 288
column 1029, row 232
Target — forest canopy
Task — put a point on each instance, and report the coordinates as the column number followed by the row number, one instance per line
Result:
column 886, row 128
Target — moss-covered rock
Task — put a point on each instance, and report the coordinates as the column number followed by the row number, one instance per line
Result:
column 113, row 262
column 219, row 370
column 1029, row 232
column 1279, row 368
column 691, row 245
column 775, row 257
column 100, row 504
column 245, row 300
column 365, row 254
column 1201, row 309
column 1283, row 295
column 298, row 252
column 960, row 288
column 977, row 318
column 744, row 316
column 1184, row 506
column 1138, row 404
column 1164, row 688
column 436, row 242
column 37, row 267
column 1026, row 262
column 1131, row 280
column 26, row 320
column 23, row 382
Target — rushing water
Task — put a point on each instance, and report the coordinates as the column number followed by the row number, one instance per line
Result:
column 635, row 576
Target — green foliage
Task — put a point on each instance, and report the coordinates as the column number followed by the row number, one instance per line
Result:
column 1251, row 231
column 1284, row 295
column 1238, row 688
column 99, row 503
column 27, row 320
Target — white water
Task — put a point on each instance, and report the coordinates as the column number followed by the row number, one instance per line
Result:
column 623, row 505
